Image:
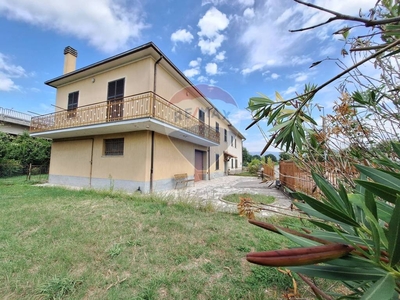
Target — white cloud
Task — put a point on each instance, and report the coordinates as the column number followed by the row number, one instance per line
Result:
column 220, row 56
column 194, row 68
column 202, row 79
column 275, row 76
column 182, row 35
column 211, row 25
column 239, row 116
column 252, row 69
column 246, row 2
column 212, row 69
column 266, row 37
column 9, row 71
column 290, row 91
column 195, row 63
column 108, row 25
column 191, row 72
column 248, row 13
column 299, row 77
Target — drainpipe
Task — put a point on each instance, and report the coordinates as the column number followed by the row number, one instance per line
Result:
column 152, row 133
column 209, row 148
column 91, row 164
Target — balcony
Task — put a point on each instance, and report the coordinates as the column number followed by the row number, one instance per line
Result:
column 146, row 111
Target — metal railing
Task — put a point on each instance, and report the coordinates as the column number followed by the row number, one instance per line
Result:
column 10, row 113
column 145, row 105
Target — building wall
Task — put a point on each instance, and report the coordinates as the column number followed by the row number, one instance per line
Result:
column 70, row 163
column 138, row 79
column 173, row 156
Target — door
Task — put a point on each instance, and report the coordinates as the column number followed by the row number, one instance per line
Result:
column 198, row 165
column 202, row 120
column 115, row 100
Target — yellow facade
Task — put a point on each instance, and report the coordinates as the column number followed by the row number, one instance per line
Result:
column 139, row 153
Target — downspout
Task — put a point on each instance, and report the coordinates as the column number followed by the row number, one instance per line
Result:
column 152, row 133
column 209, row 148
column 91, row 164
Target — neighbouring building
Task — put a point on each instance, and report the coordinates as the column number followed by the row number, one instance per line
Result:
column 13, row 122
column 134, row 121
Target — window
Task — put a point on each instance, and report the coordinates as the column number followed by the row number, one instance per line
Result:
column 116, row 89
column 225, row 135
column 235, row 142
column 232, row 140
column 216, row 161
column 216, row 126
column 232, row 163
column 113, row 147
column 73, row 100
column 115, row 96
column 202, row 115
column 202, row 119
column 236, row 163
column 72, row 104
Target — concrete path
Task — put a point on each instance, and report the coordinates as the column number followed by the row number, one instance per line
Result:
column 212, row 192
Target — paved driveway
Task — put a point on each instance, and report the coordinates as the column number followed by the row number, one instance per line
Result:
column 212, row 191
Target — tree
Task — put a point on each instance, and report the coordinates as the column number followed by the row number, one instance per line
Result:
column 284, row 156
column 25, row 149
column 360, row 214
column 246, row 156
column 271, row 156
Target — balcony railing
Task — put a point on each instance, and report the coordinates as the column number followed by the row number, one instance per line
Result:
column 146, row 105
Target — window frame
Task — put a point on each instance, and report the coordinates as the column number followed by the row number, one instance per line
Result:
column 225, row 135
column 216, row 161
column 117, row 146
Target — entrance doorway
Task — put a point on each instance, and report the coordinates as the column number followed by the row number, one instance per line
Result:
column 198, row 165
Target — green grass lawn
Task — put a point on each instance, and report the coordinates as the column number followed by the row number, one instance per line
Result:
column 65, row 244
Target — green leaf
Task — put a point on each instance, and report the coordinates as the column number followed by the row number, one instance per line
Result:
column 376, row 237
column 329, row 191
column 380, row 177
column 384, row 288
column 394, row 235
column 323, row 225
column 312, row 212
column 370, row 203
column 259, row 100
column 280, row 126
column 329, row 211
column 340, row 272
column 396, row 148
column 334, row 237
column 307, row 117
column 386, row 193
column 352, row 261
column 385, row 211
column 304, row 242
column 345, row 199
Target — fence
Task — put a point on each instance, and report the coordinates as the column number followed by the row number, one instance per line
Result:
column 295, row 179
column 269, row 172
column 30, row 172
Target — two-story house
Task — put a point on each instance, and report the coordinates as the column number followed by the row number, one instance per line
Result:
column 116, row 126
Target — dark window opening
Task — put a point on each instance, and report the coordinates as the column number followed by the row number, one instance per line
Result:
column 216, row 161
column 72, row 104
column 115, row 98
column 216, row 126
column 114, row 147
column 225, row 135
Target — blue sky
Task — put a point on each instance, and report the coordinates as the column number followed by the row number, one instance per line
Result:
column 241, row 46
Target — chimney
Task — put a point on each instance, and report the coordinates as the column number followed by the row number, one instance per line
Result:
column 70, row 55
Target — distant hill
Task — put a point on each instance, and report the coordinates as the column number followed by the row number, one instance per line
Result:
column 274, row 153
